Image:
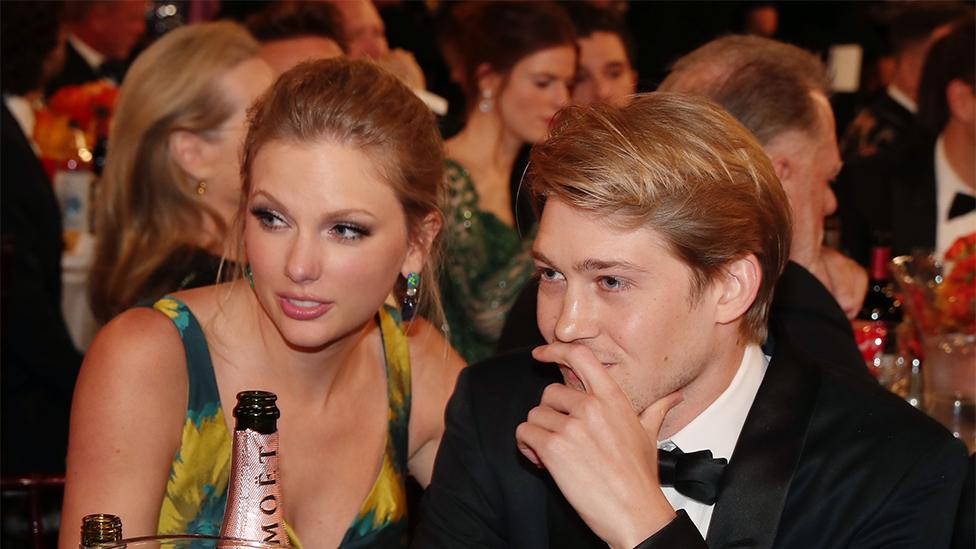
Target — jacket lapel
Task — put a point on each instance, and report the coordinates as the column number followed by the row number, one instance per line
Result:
column 758, row 477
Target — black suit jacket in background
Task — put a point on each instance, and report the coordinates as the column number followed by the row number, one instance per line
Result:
column 74, row 72
column 39, row 361
column 822, row 461
column 890, row 194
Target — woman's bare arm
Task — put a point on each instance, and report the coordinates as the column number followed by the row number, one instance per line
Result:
column 126, row 422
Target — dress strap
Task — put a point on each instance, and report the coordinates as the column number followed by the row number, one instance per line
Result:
column 397, row 352
column 203, row 393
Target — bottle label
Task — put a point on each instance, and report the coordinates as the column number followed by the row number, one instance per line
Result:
column 254, row 510
column 871, row 337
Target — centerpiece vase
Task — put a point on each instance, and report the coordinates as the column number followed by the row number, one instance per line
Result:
column 941, row 301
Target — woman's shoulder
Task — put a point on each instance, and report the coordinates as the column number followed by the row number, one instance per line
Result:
column 435, row 365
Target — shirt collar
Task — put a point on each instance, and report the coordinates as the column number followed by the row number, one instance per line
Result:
column 718, row 427
column 88, row 53
column 22, row 111
column 902, row 98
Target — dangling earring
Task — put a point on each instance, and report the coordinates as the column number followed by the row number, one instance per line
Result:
column 408, row 307
column 485, row 104
column 201, row 187
column 250, row 275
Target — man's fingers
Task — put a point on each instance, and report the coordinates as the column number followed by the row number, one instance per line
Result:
column 561, row 398
column 527, row 438
column 587, row 367
column 545, row 417
column 653, row 416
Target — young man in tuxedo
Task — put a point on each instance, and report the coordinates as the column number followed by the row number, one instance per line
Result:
column 779, row 93
column 663, row 231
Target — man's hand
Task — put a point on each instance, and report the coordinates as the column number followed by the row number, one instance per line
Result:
column 600, row 452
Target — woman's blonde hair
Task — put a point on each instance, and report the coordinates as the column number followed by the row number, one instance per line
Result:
column 357, row 104
column 147, row 205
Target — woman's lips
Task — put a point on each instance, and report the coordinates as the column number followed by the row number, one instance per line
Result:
column 303, row 308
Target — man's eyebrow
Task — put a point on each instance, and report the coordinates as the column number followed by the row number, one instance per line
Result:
column 592, row 264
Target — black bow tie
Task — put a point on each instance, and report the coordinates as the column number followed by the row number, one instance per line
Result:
column 697, row 474
column 962, row 204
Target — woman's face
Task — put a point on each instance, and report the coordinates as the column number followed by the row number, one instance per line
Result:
column 537, row 86
column 241, row 86
column 326, row 240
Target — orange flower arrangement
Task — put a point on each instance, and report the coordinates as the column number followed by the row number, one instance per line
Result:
column 947, row 303
column 86, row 108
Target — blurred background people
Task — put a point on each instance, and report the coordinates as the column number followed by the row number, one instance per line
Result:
column 39, row 360
column 171, row 184
column 519, row 61
column 293, row 32
column 101, row 35
column 919, row 195
column 606, row 56
column 912, row 28
column 365, row 35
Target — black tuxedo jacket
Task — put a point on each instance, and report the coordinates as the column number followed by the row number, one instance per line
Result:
column 892, row 193
column 75, row 71
column 39, row 361
column 803, row 311
column 822, row 461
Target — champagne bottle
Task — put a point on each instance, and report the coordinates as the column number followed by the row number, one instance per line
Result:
column 254, row 511
column 100, row 531
column 878, row 320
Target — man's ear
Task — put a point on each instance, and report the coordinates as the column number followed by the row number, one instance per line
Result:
column 187, row 150
column 421, row 243
column 783, row 167
column 961, row 101
column 738, row 284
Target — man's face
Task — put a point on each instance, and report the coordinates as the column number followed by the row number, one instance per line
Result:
column 604, row 73
column 120, row 25
column 364, row 29
column 621, row 293
column 814, row 162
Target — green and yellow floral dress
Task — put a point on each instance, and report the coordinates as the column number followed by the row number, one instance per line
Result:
column 488, row 264
column 196, row 492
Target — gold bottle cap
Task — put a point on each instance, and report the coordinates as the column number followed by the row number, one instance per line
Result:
column 100, row 528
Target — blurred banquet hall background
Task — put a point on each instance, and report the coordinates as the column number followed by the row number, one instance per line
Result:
column 91, row 225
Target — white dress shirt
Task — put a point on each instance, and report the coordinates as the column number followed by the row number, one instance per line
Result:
column 717, row 429
column 947, row 184
column 22, row 111
column 902, row 98
column 88, row 53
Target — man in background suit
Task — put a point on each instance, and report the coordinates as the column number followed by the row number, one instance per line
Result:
column 101, row 35
column 921, row 193
column 663, row 231
column 39, row 360
column 912, row 29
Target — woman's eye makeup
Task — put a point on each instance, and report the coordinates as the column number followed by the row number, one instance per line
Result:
column 268, row 218
column 350, row 231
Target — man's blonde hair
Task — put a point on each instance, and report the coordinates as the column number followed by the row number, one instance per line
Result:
column 682, row 167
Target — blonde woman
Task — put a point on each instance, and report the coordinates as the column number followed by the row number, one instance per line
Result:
column 171, row 182
column 340, row 208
